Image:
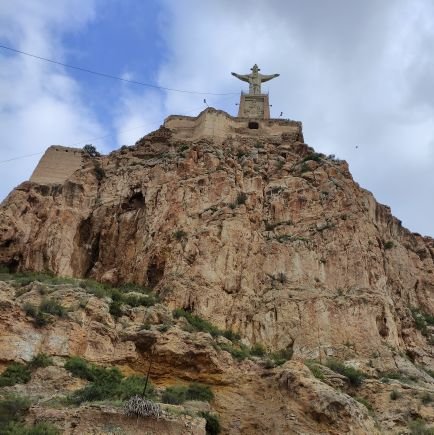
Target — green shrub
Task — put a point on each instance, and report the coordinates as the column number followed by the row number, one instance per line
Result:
column 115, row 308
column 30, row 309
column 238, row 351
column 313, row 156
column 389, row 244
column 365, row 402
column 91, row 150
column 79, row 368
column 180, row 235
column 281, row 356
column 50, row 306
column 258, row 350
column 178, row 394
column 174, row 395
column 41, row 319
column 40, row 360
column 422, row 320
column 133, row 385
column 426, row 398
column 212, row 426
column 37, row 429
column 136, row 300
column 393, row 375
column 93, row 287
column 418, row 427
column 315, row 369
column 354, row 376
column 197, row 322
column 12, row 409
column 16, row 373
column 200, row 392
column 40, row 314
column 105, row 383
column 304, row 167
column 231, row 335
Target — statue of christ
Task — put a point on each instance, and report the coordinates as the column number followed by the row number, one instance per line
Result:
column 255, row 79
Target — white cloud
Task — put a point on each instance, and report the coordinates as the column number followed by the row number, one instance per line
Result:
column 40, row 104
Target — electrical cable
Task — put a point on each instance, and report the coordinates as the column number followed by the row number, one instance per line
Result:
column 90, row 140
column 112, row 76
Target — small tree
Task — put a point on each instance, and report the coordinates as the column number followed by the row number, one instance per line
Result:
column 91, row 151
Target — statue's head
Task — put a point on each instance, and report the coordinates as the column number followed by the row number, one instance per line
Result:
column 255, row 68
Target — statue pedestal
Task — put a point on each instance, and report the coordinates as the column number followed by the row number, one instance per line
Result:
column 254, row 106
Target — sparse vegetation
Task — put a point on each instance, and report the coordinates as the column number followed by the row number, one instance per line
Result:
column 422, row 320
column 316, row 157
column 50, row 306
column 315, row 369
column 212, row 423
column 389, row 244
column 281, row 356
column 197, row 323
column 426, row 398
column 257, row 350
column 16, row 373
column 91, row 150
column 37, row 429
column 99, row 171
column 47, row 308
column 122, row 295
column 180, row 393
column 238, row 351
column 105, row 382
column 12, row 410
column 180, row 235
column 364, row 402
column 394, row 375
column 40, row 360
column 419, row 427
column 354, row 376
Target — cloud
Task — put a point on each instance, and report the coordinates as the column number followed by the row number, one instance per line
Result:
column 356, row 74
column 40, row 104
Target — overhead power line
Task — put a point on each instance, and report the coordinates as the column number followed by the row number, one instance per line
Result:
column 89, row 140
column 109, row 76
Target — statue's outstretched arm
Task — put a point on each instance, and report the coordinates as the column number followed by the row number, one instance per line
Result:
column 244, row 78
column 265, row 78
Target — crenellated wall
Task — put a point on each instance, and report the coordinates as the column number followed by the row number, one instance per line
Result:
column 220, row 125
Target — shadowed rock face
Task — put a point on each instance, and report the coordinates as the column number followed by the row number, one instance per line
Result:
column 258, row 235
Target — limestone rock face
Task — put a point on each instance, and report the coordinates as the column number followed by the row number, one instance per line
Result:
column 256, row 234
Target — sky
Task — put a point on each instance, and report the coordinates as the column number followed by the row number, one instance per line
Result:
column 359, row 75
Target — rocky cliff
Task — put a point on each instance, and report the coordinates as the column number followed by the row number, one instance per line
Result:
column 258, row 234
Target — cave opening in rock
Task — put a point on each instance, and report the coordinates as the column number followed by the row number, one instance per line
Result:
column 155, row 271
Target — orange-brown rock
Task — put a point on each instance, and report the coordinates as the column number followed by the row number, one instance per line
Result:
column 258, row 234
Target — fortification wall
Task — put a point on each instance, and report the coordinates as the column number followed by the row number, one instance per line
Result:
column 57, row 165
column 220, row 125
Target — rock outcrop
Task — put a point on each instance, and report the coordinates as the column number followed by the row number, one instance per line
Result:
column 257, row 234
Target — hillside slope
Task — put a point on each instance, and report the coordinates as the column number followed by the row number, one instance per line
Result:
column 258, row 235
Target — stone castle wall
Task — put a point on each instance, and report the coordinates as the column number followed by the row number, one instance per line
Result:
column 57, row 164
column 220, row 125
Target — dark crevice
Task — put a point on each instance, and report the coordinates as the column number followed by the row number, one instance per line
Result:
column 155, row 271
